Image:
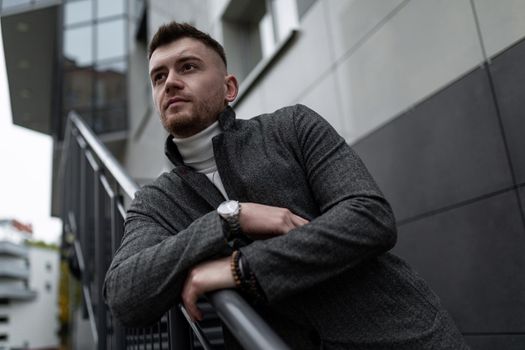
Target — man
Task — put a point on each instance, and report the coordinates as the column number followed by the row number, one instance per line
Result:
column 305, row 232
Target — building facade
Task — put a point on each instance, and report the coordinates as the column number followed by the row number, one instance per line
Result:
column 28, row 291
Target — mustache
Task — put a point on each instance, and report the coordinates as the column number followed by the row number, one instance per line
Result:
column 175, row 99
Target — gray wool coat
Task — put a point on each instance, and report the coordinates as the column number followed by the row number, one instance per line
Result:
column 330, row 284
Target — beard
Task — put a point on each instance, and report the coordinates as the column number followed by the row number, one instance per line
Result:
column 193, row 116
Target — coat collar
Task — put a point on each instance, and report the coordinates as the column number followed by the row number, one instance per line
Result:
column 226, row 121
column 198, row 181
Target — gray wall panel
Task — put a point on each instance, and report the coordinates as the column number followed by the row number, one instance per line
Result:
column 402, row 60
column 500, row 22
column 446, row 150
column 496, row 342
column 472, row 256
column 508, row 72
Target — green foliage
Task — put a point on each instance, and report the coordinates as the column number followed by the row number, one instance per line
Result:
column 42, row 244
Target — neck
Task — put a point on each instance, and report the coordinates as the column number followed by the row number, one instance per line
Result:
column 197, row 150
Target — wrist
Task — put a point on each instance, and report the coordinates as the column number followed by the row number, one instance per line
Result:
column 243, row 277
column 229, row 211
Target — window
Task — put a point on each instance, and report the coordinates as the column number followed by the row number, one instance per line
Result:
column 78, row 46
column 253, row 30
column 95, row 62
column 110, row 87
column 78, row 12
column 78, row 90
column 4, row 319
column 111, row 39
column 109, row 8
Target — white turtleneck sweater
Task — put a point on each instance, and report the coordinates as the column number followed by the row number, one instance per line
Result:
column 197, row 153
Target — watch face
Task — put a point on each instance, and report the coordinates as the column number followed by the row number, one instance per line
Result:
column 228, row 208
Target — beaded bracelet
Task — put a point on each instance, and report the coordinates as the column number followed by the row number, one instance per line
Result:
column 234, row 265
column 244, row 278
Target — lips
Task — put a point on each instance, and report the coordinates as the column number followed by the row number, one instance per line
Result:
column 175, row 100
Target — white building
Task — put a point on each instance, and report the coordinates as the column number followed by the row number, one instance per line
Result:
column 28, row 292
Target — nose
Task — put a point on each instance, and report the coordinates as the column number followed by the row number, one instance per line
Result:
column 173, row 81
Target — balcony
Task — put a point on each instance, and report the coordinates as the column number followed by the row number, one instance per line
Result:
column 11, row 249
column 15, row 292
column 10, row 270
column 30, row 46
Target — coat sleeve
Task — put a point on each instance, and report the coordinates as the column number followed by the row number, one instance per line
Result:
column 146, row 275
column 356, row 222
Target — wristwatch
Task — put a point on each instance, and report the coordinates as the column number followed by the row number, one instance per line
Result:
column 230, row 211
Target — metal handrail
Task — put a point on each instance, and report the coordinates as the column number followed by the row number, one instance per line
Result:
column 245, row 324
column 241, row 319
column 104, row 155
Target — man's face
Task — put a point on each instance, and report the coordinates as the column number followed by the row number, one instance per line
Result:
column 190, row 86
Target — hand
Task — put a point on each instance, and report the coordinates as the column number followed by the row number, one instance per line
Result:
column 205, row 277
column 263, row 221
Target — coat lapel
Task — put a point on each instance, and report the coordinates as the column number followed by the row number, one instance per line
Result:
column 200, row 185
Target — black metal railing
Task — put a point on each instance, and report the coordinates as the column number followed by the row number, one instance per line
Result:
column 95, row 193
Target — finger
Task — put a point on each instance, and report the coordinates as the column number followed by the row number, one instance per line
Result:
column 196, row 313
column 191, row 307
column 189, row 300
column 287, row 224
column 299, row 221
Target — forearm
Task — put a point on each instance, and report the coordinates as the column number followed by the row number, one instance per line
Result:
column 146, row 276
column 351, row 232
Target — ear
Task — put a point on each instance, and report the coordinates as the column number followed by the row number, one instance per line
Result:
column 232, row 88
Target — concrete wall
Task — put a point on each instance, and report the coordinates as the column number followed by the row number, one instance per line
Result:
column 430, row 94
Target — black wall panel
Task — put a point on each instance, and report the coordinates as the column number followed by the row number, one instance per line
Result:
column 508, row 73
column 496, row 342
column 473, row 258
column 446, row 150
column 521, row 191
column 444, row 166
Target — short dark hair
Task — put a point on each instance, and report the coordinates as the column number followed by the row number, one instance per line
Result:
column 168, row 33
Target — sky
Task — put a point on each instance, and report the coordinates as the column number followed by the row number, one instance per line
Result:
column 25, row 171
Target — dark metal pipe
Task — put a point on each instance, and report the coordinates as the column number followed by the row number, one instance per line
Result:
column 246, row 325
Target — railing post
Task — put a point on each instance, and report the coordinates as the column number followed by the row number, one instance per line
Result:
column 178, row 330
column 159, row 326
column 82, row 213
column 75, row 180
column 100, row 259
column 117, row 222
column 117, row 227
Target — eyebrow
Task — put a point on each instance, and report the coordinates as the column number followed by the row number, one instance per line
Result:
column 181, row 59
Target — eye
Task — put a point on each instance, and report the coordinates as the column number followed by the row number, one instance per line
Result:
column 187, row 67
column 158, row 77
